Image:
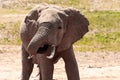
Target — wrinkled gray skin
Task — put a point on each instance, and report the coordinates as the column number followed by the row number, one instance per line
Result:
column 44, row 27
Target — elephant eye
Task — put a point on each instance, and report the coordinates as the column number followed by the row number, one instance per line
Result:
column 59, row 27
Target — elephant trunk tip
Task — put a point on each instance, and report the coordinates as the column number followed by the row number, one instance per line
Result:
column 40, row 49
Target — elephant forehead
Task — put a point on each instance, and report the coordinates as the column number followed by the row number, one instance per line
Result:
column 48, row 18
column 49, row 15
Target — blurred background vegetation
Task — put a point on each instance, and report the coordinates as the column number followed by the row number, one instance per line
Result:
column 103, row 15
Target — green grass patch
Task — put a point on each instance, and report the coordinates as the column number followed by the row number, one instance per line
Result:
column 10, row 33
column 104, row 20
column 12, row 11
column 99, row 42
column 2, row 26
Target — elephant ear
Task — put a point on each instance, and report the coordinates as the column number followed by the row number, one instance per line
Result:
column 76, row 28
column 35, row 13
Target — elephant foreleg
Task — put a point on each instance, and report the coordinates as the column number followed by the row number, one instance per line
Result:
column 27, row 65
column 71, row 65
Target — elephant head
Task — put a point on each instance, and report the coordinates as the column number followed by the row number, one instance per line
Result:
column 55, row 29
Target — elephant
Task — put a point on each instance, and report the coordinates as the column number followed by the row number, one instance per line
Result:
column 48, row 33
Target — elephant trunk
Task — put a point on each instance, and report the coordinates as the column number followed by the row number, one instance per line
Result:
column 40, row 43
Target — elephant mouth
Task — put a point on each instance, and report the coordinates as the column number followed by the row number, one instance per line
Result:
column 43, row 49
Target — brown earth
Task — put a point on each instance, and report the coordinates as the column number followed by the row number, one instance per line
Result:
column 92, row 66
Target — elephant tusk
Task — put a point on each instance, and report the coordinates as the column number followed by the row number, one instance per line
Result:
column 52, row 52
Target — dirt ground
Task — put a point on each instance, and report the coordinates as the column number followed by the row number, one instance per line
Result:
column 92, row 66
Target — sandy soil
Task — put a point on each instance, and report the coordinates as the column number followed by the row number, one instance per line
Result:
column 92, row 66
